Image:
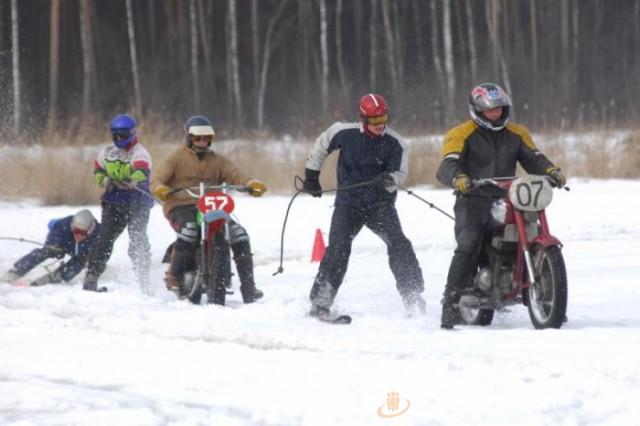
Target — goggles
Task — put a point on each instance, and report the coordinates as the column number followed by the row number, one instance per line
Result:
column 382, row 119
column 120, row 134
column 200, row 138
column 80, row 233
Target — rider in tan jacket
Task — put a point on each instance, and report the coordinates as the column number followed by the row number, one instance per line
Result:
column 187, row 166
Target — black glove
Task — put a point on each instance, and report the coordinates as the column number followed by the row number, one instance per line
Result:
column 387, row 181
column 557, row 177
column 311, row 184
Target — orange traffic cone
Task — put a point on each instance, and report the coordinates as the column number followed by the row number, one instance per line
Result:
column 318, row 247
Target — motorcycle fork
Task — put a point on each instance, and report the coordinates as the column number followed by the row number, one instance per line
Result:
column 523, row 260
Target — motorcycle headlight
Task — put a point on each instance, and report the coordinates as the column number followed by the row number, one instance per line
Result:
column 499, row 211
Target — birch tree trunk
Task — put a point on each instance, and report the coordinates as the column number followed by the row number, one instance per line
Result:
column 267, row 50
column 54, row 65
column 390, row 42
column 195, row 66
column 88, row 56
column 437, row 63
column 134, row 59
column 324, row 58
column 473, row 53
column 234, row 64
column 493, row 19
column 255, row 48
column 206, row 49
column 373, row 46
column 15, row 59
column 448, row 61
column 344, row 85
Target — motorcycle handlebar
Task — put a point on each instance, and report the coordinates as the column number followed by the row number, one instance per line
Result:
column 191, row 190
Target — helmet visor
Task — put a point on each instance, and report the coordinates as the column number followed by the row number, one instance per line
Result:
column 382, row 119
column 200, row 138
column 485, row 98
column 120, row 134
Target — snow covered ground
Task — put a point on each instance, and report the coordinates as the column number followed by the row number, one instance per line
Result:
column 73, row 357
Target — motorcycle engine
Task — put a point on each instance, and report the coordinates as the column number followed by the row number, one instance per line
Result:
column 482, row 280
column 505, row 280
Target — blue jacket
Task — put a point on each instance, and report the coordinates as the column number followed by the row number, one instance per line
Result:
column 362, row 158
column 60, row 242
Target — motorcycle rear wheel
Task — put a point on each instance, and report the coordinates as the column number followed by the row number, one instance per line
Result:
column 548, row 296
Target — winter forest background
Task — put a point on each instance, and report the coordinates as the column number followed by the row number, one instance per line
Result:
column 273, row 73
column 294, row 65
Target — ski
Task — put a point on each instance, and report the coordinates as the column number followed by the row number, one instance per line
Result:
column 340, row 319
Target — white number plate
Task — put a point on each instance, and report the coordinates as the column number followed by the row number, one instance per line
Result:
column 531, row 193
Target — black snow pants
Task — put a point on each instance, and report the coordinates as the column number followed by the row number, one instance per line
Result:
column 472, row 225
column 346, row 223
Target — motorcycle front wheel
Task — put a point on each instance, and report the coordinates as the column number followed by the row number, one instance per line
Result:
column 547, row 296
column 220, row 269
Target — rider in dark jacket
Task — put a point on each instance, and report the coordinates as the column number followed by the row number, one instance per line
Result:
column 72, row 236
column 369, row 152
column 486, row 146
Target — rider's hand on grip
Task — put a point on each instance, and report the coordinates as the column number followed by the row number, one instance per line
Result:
column 462, row 183
column 311, row 184
column 162, row 192
column 558, row 178
column 256, row 188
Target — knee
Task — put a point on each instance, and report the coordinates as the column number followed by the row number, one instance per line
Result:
column 237, row 234
column 188, row 233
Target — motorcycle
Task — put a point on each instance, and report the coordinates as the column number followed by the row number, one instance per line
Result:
column 212, row 273
column 520, row 260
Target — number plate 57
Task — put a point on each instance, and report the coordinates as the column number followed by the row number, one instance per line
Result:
column 216, row 201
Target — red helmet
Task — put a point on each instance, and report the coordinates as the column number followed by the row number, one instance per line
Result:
column 373, row 109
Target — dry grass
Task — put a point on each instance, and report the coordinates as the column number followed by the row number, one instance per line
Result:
column 62, row 173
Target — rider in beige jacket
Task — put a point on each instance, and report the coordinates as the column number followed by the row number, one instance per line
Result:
column 187, row 166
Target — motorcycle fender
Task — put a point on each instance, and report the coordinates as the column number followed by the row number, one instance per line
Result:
column 546, row 241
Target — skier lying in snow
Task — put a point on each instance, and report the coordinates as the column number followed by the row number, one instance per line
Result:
column 71, row 235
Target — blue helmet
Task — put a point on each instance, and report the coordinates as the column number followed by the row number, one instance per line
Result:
column 123, row 130
column 197, row 125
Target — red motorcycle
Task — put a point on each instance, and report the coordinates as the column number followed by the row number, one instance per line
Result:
column 212, row 273
column 520, row 261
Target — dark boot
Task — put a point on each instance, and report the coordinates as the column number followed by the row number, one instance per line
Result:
column 91, row 284
column 244, row 266
column 321, row 296
column 450, row 313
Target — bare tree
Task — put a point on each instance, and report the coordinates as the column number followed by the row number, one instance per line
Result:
column 206, row 48
column 344, row 85
column 390, row 42
column 15, row 57
column 435, row 52
column 473, row 54
column 54, row 64
column 255, row 48
column 195, row 68
column 493, row 19
column 269, row 45
column 324, row 58
column 373, row 45
column 232, row 57
column 134, row 59
column 450, row 73
column 88, row 56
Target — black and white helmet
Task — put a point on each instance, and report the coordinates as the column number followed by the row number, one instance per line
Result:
column 486, row 96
